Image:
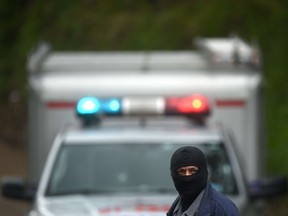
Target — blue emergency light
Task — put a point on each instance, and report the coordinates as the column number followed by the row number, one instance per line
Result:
column 111, row 106
column 88, row 105
column 94, row 106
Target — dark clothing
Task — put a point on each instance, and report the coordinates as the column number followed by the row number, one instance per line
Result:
column 213, row 203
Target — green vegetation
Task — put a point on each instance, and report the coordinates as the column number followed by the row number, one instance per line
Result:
column 147, row 25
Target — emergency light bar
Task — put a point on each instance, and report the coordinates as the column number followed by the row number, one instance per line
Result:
column 194, row 105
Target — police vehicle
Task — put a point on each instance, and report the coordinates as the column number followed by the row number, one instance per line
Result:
column 133, row 111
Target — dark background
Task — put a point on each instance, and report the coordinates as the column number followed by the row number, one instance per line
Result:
column 138, row 25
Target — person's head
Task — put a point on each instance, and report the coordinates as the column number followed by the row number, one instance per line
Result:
column 189, row 171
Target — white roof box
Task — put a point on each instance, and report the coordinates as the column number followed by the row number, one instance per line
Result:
column 229, row 51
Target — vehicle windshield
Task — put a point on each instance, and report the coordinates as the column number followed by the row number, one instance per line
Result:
column 130, row 168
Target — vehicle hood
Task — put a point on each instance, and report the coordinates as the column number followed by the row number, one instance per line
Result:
column 105, row 206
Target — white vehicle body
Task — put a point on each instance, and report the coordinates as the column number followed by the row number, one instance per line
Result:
column 59, row 79
column 142, row 199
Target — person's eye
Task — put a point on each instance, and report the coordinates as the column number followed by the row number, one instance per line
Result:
column 181, row 172
column 194, row 171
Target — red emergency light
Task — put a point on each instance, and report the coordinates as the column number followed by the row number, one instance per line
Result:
column 193, row 105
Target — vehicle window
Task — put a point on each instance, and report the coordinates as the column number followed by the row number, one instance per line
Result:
column 130, row 168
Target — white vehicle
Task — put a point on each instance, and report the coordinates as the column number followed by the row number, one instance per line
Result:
column 136, row 109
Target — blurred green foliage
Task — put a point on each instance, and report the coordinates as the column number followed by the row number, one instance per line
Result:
column 147, row 25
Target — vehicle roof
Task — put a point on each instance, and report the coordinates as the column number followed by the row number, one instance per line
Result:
column 142, row 134
column 60, row 86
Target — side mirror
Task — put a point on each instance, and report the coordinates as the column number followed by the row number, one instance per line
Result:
column 17, row 188
column 268, row 188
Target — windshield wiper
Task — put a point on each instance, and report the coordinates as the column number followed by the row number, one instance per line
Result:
column 150, row 189
column 81, row 192
column 113, row 191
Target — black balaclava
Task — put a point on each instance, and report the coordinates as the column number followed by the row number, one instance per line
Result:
column 189, row 187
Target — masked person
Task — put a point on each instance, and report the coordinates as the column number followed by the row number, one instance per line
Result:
column 189, row 172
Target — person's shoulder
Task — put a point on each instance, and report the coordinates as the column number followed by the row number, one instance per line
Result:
column 175, row 202
column 222, row 203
